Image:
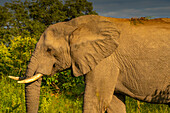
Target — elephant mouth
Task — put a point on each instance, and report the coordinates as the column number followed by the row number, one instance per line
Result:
column 26, row 80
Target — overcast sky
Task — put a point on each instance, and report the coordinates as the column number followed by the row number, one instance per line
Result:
column 129, row 8
column 132, row 8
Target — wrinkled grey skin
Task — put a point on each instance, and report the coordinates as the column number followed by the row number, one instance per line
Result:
column 116, row 57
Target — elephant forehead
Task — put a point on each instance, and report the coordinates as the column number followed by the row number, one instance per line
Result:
column 51, row 38
column 55, row 42
column 49, row 35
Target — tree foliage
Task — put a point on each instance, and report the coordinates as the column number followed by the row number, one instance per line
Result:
column 31, row 18
column 47, row 11
column 75, row 8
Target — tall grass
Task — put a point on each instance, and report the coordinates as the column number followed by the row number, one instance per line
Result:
column 12, row 97
column 12, row 101
column 134, row 106
column 59, row 102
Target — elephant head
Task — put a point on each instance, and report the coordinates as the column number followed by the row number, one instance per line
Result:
column 80, row 44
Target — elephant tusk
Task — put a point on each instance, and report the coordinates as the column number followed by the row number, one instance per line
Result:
column 31, row 79
column 28, row 80
column 17, row 78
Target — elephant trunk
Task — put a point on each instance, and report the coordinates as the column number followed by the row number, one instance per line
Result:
column 32, row 90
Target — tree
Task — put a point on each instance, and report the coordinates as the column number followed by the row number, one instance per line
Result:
column 75, row 8
column 18, row 16
column 53, row 11
column 5, row 16
column 47, row 11
column 31, row 18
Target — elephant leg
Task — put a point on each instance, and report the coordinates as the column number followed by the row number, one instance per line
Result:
column 32, row 93
column 117, row 105
column 100, row 85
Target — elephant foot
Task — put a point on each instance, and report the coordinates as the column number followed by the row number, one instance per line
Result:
column 117, row 105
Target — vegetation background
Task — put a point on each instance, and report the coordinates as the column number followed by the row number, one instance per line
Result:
column 21, row 24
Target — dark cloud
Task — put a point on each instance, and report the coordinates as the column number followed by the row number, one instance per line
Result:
column 132, row 8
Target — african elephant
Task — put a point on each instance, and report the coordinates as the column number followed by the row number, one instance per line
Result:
column 117, row 58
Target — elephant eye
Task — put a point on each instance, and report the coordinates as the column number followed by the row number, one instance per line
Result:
column 49, row 50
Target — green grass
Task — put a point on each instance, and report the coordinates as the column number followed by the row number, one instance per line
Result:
column 12, row 101
column 59, row 103
column 12, row 97
column 134, row 106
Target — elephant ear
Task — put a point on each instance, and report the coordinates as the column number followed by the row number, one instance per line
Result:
column 90, row 43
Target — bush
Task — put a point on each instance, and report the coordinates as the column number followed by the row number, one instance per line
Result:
column 65, row 81
column 15, row 55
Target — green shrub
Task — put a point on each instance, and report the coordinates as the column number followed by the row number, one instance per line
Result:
column 15, row 55
column 65, row 81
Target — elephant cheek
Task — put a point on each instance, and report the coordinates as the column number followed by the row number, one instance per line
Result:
column 45, row 68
